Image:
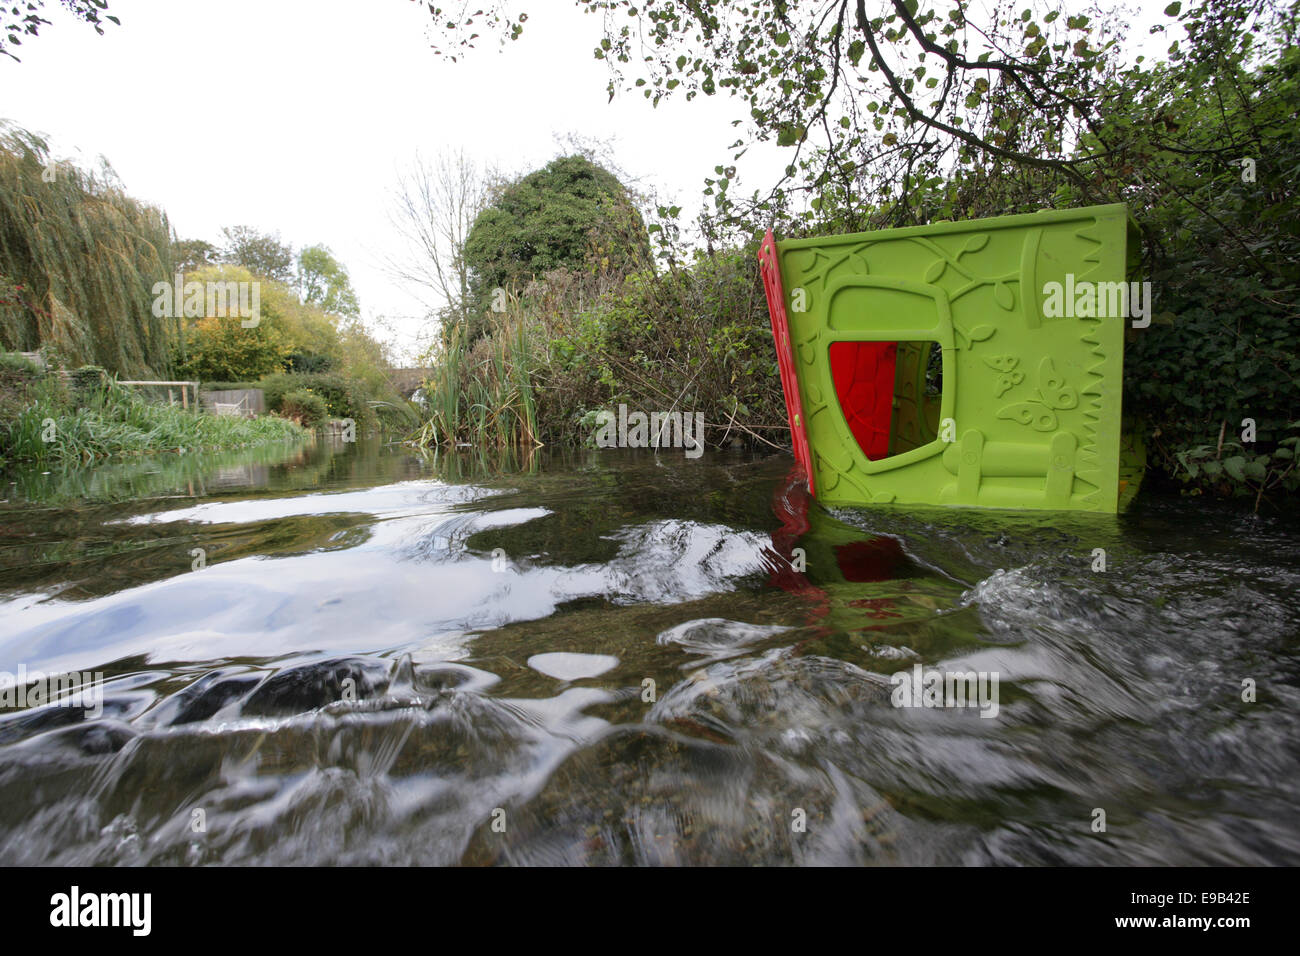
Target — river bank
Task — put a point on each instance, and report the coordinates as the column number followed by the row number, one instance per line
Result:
column 46, row 420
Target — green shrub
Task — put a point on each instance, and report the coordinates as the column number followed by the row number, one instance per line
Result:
column 572, row 214
column 305, row 407
column 1243, row 469
column 695, row 340
column 87, row 381
column 309, row 363
column 343, row 397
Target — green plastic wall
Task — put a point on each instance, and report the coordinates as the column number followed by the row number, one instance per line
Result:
column 1029, row 414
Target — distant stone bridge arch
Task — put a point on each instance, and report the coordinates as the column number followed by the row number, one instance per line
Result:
column 407, row 380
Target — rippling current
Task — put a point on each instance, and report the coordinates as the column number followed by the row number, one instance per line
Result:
column 360, row 655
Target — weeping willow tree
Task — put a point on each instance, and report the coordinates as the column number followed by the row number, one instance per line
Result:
column 78, row 261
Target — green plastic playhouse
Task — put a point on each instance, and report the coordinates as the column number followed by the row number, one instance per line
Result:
column 962, row 363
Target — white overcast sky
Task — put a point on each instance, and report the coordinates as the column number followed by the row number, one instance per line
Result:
column 295, row 115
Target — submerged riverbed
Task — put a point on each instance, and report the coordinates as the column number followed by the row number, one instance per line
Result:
column 360, row 654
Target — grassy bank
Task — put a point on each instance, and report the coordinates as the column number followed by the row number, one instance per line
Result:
column 47, row 421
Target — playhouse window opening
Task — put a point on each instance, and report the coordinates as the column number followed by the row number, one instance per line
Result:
column 890, row 393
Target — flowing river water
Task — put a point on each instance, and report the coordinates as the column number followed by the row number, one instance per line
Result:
column 357, row 654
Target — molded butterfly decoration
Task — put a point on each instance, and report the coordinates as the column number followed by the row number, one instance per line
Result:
column 1006, row 364
column 1052, row 393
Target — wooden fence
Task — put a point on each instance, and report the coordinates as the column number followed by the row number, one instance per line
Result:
column 172, row 387
column 243, row 402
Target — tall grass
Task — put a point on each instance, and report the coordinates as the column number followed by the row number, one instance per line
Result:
column 443, row 393
column 484, row 394
column 397, row 416
column 112, row 421
column 78, row 261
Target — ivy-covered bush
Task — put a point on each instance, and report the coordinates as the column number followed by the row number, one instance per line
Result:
column 1216, row 377
column 572, row 214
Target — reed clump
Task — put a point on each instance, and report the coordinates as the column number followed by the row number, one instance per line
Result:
column 483, row 392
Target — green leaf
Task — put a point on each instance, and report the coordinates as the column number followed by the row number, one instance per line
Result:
column 1173, row 9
